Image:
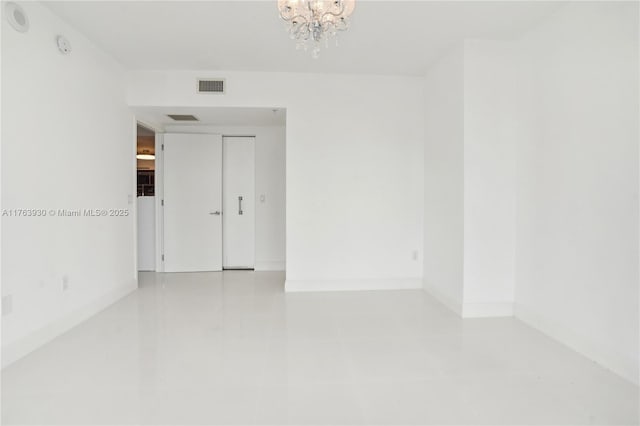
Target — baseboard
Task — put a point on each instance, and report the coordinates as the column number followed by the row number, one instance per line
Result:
column 619, row 364
column 471, row 310
column 487, row 310
column 352, row 285
column 270, row 265
column 22, row 347
column 445, row 300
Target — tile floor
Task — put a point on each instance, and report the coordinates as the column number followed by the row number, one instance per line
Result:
column 232, row 348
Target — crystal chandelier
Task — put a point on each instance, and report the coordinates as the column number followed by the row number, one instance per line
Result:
column 312, row 21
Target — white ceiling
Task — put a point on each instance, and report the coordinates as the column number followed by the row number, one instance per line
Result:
column 386, row 37
column 143, row 131
column 211, row 116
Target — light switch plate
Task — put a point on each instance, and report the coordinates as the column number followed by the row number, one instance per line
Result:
column 7, row 305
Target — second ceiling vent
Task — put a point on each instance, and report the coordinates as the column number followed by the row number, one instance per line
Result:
column 182, row 117
column 207, row 85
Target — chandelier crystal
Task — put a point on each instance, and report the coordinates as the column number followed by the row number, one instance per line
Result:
column 312, row 21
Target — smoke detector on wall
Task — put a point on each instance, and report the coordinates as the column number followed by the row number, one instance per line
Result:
column 16, row 17
column 63, row 45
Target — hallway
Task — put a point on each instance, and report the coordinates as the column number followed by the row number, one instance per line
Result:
column 233, row 348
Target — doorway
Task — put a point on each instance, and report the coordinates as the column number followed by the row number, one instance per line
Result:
column 145, row 200
column 263, row 205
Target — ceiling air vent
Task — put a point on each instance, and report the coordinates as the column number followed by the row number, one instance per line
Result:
column 210, row 85
column 182, row 117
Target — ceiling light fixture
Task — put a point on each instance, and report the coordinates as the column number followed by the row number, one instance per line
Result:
column 312, row 21
column 145, row 156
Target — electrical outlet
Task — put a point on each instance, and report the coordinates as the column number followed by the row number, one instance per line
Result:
column 7, row 305
column 65, row 282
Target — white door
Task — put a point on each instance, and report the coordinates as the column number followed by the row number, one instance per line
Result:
column 239, row 205
column 192, row 202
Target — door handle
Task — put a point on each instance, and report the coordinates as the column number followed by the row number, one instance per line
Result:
column 217, row 213
column 240, row 205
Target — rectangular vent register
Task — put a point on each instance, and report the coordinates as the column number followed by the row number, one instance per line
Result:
column 182, row 117
column 210, row 85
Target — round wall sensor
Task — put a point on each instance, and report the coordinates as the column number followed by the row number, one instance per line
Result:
column 63, row 45
column 17, row 17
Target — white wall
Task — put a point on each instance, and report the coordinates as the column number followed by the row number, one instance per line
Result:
column 577, row 230
column 469, row 182
column 550, row 125
column 444, row 179
column 270, row 182
column 489, row 177
column 146, row 248
column 354, row 168
column 58, row 112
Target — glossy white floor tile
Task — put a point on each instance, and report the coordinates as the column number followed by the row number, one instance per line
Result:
column 232, row 348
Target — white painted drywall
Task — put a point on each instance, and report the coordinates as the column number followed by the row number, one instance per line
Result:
column 270, row 183
column 444, row 179
column 67, row 143
column 354, row 168
column 146, row 247
column 577, row 229
column 489, row 177
column 469, row 228
column 567, row 94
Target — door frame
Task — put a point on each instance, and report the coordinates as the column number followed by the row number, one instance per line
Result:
column 158, row 180
column 159, row 231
